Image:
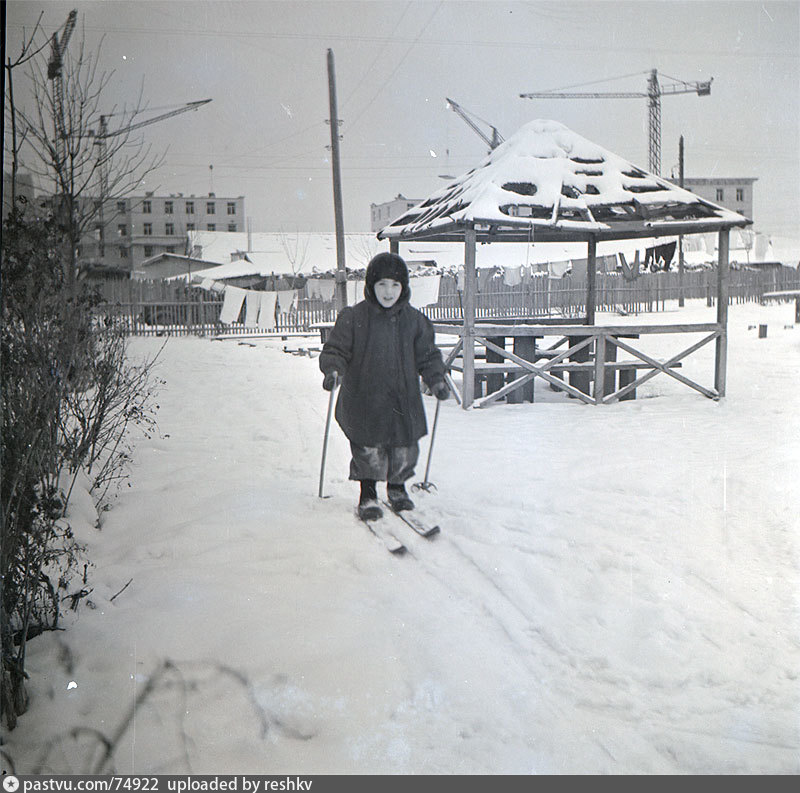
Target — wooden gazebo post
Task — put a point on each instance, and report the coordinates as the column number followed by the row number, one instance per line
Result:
column 468, row 309
column 723, row 272
column 591, row 280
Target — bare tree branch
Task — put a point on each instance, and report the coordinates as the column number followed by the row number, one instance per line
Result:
column 82, row 164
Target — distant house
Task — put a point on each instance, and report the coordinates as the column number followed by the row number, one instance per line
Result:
column 283, row 253
column 167, row 265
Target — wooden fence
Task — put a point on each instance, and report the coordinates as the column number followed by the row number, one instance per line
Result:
column 146, row 308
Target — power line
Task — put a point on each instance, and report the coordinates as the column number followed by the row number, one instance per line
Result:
column 612, row 47
column 399, row 64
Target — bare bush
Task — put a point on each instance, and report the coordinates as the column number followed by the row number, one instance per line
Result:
column 69, row 396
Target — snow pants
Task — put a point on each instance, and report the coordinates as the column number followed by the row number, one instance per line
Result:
column 392, row 464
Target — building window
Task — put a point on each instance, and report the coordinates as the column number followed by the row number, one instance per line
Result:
column 120, row 206
column 122, row 229
column 168, row 207
column 740, row 193
column 169, row 229
column 170, row 249
column 190, row 227
column 148, row 251
column 147, row 207
column 212, row 227
column 720, row 194
column 123, row 252
column 102, row 250
column 98, row 232
column 231, row 227
column 190, row 207
column 147, row 229
column 231, row 207
column 210, row 210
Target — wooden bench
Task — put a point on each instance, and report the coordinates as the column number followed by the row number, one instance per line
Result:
column 626, row 371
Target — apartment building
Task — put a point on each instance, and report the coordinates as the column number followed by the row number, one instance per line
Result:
column 133, row 229
column 734, row 193
column 383, row 214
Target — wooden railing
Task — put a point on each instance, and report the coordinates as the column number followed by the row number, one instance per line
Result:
column 586, row 354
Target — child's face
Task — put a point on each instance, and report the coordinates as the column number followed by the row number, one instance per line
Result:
column 387, row 291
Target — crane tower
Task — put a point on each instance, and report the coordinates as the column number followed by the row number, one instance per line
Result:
column 58, row 46
column 492, row 142
column 103, row 135
column 653, row 95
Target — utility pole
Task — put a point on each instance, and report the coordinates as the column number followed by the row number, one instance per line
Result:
column 680, row 236
column 341, row 272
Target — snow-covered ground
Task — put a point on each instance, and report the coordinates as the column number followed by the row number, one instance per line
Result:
column 615, row 589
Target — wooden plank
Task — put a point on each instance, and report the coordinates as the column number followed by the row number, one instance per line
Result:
column 527, row 364
column 666, row 368
column 495, row 382
column 470, row 288
column 524, row 347
column 588, row 367
column 522, row 381
column 591, row 280
column 723, row 276
column 540, row 371
column 581, row 379
column 599, row 369
column 589, row 330
column 453, row 353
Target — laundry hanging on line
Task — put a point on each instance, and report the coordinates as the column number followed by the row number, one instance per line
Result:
column 285, row 300
column 232, row 304
column 252, row 303
column 424, row 290
column 266, row 310
column 512, row 275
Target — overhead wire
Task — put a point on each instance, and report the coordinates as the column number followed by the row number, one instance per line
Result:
column 397, row 67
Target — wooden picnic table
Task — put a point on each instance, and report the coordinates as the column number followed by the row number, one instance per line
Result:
column 583, row 360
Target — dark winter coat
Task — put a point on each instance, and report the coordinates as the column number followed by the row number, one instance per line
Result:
column 380, row 354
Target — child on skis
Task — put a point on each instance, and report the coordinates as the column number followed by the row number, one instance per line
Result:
column 378, row 349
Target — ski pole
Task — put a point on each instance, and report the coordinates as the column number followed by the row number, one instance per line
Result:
column 426, row 485
column 325, row 441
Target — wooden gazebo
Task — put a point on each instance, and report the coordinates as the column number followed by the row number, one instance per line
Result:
column 548, row 184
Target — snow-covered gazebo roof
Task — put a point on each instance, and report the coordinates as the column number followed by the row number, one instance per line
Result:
column 547, row 183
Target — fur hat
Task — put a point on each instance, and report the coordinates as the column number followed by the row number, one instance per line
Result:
column 386, row 265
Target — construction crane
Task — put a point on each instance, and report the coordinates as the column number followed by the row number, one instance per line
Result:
column 58, row 46
column 103, row 135
column 653, row 94
column 492, row 142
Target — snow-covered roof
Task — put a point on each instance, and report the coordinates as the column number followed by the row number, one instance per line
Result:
column 548, row 183
column 282, row 253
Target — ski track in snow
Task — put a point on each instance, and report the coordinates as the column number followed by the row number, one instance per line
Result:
column 614, row 589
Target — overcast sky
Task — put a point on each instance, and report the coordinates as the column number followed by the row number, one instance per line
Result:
column 263, row 63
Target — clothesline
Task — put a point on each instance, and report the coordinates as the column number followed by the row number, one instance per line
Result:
column 262, row 307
